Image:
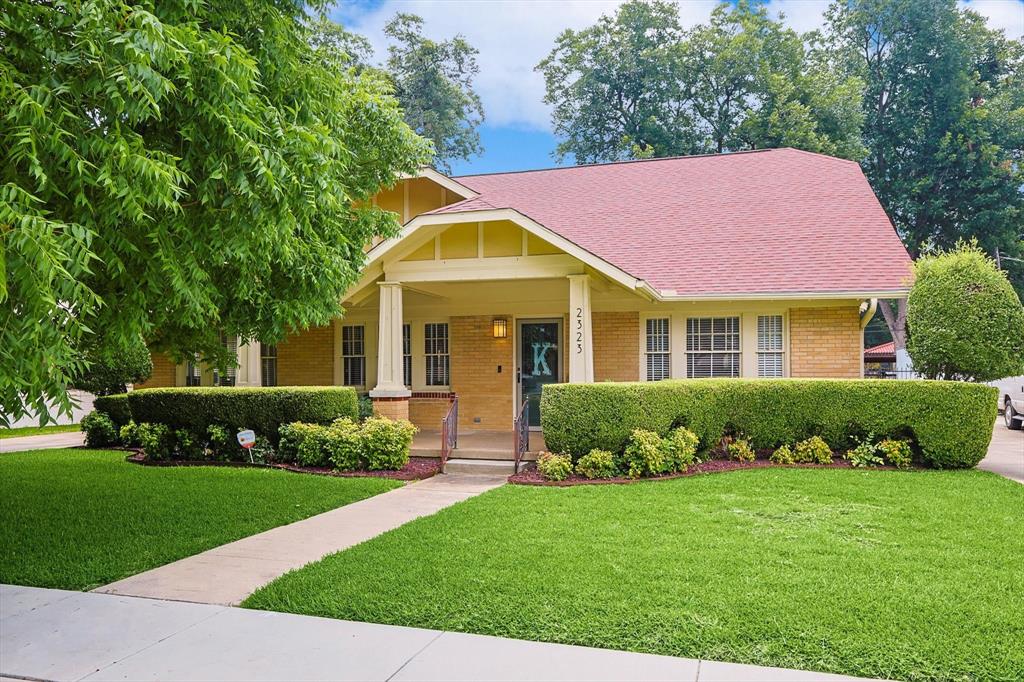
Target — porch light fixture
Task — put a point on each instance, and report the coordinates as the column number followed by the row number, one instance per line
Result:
column 500, row 328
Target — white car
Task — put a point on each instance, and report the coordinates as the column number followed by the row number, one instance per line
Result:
column 1011, row 401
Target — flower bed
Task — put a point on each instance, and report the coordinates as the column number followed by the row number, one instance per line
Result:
column 529, row 475
column 417, row 468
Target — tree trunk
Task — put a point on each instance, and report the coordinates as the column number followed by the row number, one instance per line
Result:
column 896, row 320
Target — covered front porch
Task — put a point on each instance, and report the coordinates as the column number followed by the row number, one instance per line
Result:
column 477, row 444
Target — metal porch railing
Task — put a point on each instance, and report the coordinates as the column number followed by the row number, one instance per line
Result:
column 521, row 434
column 449, row 431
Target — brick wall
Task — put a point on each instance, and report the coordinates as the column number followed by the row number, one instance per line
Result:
column 427, row 413
column 616, row 346
column 163, row 375
column 825, row 342
column 307, row 358
column 475, row 356
column 392, row 409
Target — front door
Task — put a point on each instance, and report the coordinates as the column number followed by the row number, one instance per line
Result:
column 540, row 361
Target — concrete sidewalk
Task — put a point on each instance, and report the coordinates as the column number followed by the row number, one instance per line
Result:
column 230, row 573
column 1005, row 453
column 58, row 635
column 45, row 441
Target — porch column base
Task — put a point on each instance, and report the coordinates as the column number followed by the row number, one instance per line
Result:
column 390, row 404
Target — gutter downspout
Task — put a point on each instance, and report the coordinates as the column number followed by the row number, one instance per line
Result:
column 865, row 318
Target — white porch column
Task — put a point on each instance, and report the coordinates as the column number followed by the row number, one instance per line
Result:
column 249, row 366
column 390, row 382
column 581, row 337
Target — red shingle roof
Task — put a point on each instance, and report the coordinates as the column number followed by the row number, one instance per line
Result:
column 772, row 221
column 883, row 350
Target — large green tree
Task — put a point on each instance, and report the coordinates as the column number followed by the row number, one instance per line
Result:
column 433, row 81
column 944, row 124
column 635, row 84
column 177, row 169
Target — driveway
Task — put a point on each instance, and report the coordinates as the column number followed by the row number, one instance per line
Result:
column 44, row 442
column 1005, row 453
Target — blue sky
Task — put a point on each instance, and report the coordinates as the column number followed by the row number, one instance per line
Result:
column 513, row 35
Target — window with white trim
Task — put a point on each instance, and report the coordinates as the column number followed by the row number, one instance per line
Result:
column 407, row 355
column 353, row 354
column 712, row 347
column 435, row 349
column 658, row 354
column 229, row 375
column 769, row 346
column 268, row 364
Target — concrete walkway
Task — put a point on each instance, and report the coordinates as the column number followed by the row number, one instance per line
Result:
column 58, row 635
column 1005, row 453
column 230, row 573
column 45, row 441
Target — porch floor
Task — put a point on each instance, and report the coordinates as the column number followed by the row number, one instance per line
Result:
column 475, row 444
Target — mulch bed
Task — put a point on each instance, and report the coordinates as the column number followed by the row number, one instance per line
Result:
column 418, row 467
column 530, row 476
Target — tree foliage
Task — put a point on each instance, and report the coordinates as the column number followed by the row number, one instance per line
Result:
column 964, row 319
column 178, row 169
column 433, row 81
column 944, row 120
column 111, row 369
column 635, row 84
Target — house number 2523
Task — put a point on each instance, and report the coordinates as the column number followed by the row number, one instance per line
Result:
column 579, row 330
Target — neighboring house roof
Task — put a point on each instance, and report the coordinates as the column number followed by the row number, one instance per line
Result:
column 778, row 221
column 881, row 353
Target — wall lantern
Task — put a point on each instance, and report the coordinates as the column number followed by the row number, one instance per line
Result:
column 500, row 328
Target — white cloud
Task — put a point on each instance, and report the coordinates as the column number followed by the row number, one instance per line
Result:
column 512, row 36
column 800, row 15
column 1007, row 15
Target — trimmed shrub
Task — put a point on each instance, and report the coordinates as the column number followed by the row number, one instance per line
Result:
column 187, row 446
column 314, row 450
column 99, row 429
column 116, row 407
column 219, row 442
column 554, row 467
column 596, row 464
column 896, row 452
column 680, row 449
column 263, row 410
column 378, row 443
column 964, row 318
column 110, row 369
column 741, row 451
column 157, row 440
column 783, row 455
column 814, row 450
column 950, row 422
column 864, row 455
column 386, row 442
column 129, row 434
column 644, row 455
column 346, row 445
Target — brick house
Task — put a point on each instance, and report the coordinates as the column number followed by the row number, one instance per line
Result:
column 753, row 264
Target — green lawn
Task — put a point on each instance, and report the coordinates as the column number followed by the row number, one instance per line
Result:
column 37, row 430
column 77, row 519
column 877, row 573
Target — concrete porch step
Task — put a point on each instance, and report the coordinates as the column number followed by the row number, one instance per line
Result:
column 489, row 467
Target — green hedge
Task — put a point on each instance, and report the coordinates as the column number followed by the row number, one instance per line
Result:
column 114, row 406
column 261, row 409
column 950, row 422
